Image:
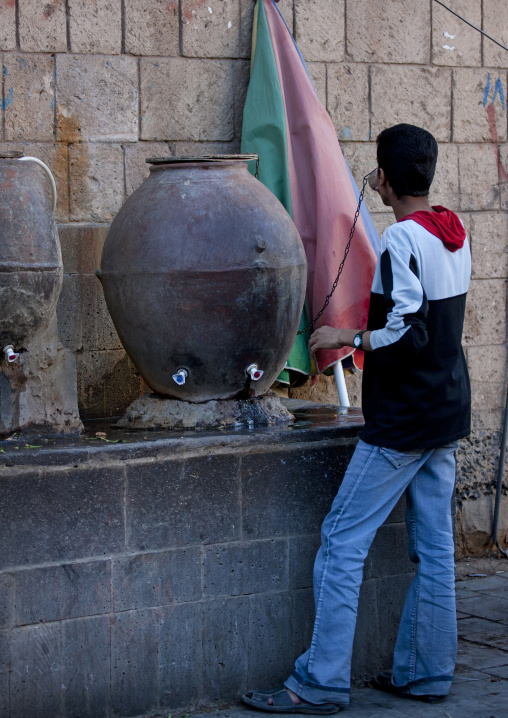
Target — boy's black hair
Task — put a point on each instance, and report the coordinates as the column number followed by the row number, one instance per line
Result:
column 408, row 156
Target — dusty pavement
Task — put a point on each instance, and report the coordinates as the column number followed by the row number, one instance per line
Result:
column 480, row 687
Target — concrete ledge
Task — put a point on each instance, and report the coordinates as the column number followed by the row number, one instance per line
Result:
column 168, row 573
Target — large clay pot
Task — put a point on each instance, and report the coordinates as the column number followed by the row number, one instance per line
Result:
column 30, row 258
column 204, row 273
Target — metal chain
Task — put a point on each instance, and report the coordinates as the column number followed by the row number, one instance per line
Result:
column 341, row 266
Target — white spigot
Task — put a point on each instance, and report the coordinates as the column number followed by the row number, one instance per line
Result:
column 180, row 376
column 10, row 353
column 254, row 371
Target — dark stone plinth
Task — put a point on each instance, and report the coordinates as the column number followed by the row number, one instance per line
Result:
column 168, row 572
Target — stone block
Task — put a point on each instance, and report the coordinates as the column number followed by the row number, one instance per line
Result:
column 487, row 374
column 488, row 235
column 97, row 98
column 237, row 569
column 246, row 14
column 241, row 75
column 82, row 246
column 485, row 319
column 478, row 110
column 225, row 649
column 187, row 99
column 445, row 187
column 181, row 660
column 319, row 29
column 317, row 71
column 55, row 593
column 134, row 662
column 85, row 504
column 8, row 25
column 197, row 149
column 175, row 505
column 4, row 673
column 70, row 326
column 157, row 579
column 29, row 97
column 388, row 554
column 348, row 101
column 211, row 29
column 408, row 94
column 107, row 383
column 502, row 159
column 96, row 26
column 99, row 332
column 361, row 158
column 86, row 645
column 36, row 671
column 379, row 31
column 151, row 27
column 289, row 492
column 454, row 42
column 42, row 26
column 495, row 24
column 136, row 167
column 96, row 181
column 302, row 554
column 270, row 651
column 6, row 600
column 478, row 161
column 303, row 620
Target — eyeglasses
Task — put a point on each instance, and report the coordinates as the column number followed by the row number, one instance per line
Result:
column 373, row 179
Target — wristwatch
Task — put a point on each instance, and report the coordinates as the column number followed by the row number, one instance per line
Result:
column 358, row 340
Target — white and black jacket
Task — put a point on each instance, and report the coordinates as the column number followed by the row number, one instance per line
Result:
column 416, row 392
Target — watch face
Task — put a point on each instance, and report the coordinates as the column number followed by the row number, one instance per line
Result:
column 357, row 341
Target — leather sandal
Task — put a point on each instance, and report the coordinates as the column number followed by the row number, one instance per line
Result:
column 383, row 682
column 282, row 703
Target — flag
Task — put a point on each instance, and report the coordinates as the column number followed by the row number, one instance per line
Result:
column 301, row 162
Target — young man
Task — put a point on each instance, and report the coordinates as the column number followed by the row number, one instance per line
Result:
column 416, row 404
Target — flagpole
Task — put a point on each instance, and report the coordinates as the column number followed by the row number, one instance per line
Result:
column 341, row 384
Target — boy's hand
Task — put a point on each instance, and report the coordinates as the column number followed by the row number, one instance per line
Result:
column 326, row 338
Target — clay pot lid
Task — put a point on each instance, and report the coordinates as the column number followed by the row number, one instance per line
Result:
column 202, row 158
column 11, row 154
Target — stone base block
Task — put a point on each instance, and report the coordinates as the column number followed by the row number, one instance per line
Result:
column 156, row 412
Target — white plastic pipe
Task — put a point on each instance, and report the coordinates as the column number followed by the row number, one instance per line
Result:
column 341, row 384
column 50, row 177
column 10, row 353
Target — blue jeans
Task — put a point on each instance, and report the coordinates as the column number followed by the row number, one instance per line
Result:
column 424, row 657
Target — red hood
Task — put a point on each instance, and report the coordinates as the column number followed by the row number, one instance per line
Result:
column 442, row 223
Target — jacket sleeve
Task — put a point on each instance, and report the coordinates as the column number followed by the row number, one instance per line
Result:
column 405, row 332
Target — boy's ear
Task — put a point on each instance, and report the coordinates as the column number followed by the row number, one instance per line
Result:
column 382, row 177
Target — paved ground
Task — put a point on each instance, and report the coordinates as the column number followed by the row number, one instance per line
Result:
column 480, row 688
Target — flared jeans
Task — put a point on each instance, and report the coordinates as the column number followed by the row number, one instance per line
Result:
column 425, row 651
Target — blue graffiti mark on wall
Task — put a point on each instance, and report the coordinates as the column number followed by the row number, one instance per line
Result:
column 8, row 100
column 346, row 133
column 498, row 90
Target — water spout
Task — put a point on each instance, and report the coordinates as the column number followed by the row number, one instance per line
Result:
column 180, row 376
column 254, row 371
column 10, row 353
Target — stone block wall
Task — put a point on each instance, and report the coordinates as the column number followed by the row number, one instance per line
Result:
column 93, row 88
column 164, row 575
